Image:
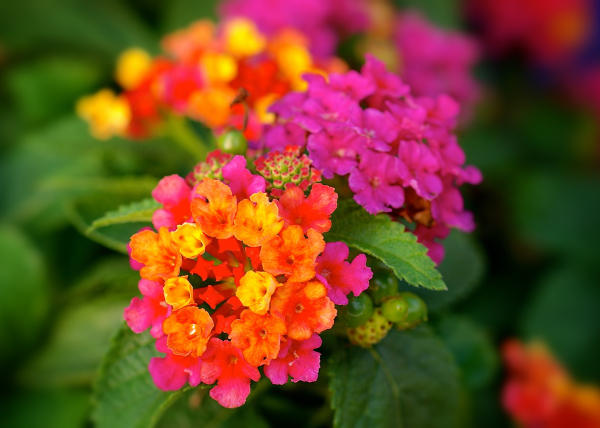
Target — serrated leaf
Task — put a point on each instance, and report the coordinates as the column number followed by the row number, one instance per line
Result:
column 84, row 211
column 462, row 270
column 408, row 380
column 124, row 393
column 134, row 212
column 380, row 237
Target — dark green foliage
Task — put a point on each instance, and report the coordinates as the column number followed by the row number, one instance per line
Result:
column 125, row 395
column 396, row 383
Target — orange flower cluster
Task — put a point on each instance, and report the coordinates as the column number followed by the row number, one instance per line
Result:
column 539, row 393
column 206, row 68
column 259, row 290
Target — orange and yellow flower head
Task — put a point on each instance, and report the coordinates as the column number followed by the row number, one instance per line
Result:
column 239, row 280
column 202, row 71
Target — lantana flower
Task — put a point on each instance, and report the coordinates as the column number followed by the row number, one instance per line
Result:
column 271, row 278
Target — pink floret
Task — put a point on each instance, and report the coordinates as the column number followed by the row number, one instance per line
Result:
column 174, row 194
column 225, row 364
column 240, row 180
column 341, row 277
column 296, row 359
column 172, row 372
column 150, row 311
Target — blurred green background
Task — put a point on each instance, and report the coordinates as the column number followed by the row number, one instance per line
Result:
column 530, row 270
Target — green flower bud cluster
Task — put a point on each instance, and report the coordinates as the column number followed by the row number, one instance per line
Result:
column 280, row 168
column 371, row 315
column 210, row 168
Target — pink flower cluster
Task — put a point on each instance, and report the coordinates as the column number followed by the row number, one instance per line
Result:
column 435, row 61
column 222, row 362
column 322, row 22
column 399, row 151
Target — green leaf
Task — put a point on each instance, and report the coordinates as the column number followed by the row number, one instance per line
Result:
column 444, row 13
column 48, row 87
column 63, row 151
column 134, row 212
column 473, row 350
column 380, row 237
column 85, row 210
column 125, row 395
column 45, row 408
column 563, row 313
column 112, row 275
column 408, row 380
column 181, row 13
column 568, row 235
column 61, row 162
column 462, row 270
column 24, row 294
column 104, row 27
column 77, row 344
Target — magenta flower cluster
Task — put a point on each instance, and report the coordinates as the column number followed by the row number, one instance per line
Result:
column 436, row 61
column 369, row 127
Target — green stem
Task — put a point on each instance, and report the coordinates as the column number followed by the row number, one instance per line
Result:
column 190, row 141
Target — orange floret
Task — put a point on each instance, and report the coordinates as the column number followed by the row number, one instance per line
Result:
column 212, row 105
column 255, row 291
column 305, row 308
column 188, row 331
column 190, row 240
column 215, row 216
column 291, row 254
column 158, row 254
column 257, row 336
column 178, row 292
column 257, row 220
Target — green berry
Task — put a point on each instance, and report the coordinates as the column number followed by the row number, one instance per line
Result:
column 417, row 311
column 382, row 285
column 395, row 309
column 358, row 310
column 233, row 142
column 372, row 332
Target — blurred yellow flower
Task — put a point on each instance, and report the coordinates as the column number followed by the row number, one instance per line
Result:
column 107, row 114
